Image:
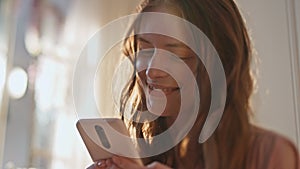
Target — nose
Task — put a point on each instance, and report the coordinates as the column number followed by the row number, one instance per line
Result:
column 154, row 73
column 154, row 70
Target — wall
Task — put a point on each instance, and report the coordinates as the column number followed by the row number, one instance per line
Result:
column 275, row 102
column 19, row 117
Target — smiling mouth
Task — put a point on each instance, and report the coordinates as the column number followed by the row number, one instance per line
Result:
column 166, row 90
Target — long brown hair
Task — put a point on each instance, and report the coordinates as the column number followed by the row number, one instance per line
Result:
column 222, row 23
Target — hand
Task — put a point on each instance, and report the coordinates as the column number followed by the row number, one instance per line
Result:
column 117, row 162
column 104, row 164
column 157, row 165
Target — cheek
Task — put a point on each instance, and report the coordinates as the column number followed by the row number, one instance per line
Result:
column 142, row 75
column 173, row 105
column 193, row 65
column 142, row 63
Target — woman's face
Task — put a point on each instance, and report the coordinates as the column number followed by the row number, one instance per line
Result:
column 159, row 58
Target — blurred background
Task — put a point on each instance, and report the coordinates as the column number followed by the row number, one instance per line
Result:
column 41, row 40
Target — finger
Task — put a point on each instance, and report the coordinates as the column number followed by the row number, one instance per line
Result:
column 109, row 163
column 114, row 166
column 157, row 165
column 125, row 163
column 101, row 164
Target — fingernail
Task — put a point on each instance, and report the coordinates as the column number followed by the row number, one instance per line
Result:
column 152, row 165
column 100, row 164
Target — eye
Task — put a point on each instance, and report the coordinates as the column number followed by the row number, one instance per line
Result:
column 183, row 53
column 143, row 44
column 185, row 57
column 145, row 52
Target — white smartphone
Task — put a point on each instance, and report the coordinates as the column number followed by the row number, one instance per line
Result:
column 104, row 137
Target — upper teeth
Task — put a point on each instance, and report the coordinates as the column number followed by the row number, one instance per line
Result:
column 163, row 89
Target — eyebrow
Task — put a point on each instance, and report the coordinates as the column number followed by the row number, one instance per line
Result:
column 170, row 45
column 142, row 39
column 176, row 45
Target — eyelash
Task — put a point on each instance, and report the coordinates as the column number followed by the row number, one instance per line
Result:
column 186, row 58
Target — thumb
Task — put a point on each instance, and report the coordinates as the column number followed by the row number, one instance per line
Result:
column 125, row 163
column 157, row 165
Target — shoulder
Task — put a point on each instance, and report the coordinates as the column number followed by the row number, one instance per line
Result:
column 272, row 150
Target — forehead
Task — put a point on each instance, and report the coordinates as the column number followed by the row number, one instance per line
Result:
column 168, row 8
column 152, row 24
column 163, row 20
column 159, row 40
column 162, row 24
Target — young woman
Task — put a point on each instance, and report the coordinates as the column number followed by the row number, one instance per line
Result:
column 235, row 144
